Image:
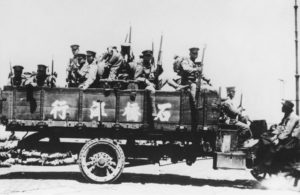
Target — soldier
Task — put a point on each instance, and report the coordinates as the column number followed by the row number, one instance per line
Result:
column 147, row 73
column 175, row 80
column 280, row 143
column 127, row 67
column 75, row 50
column 41, row 78
column 73, row 63
column 233, row 115
column 74, row 75
column 88, row 72
column 188, row 72
column 17, row 79
column 110, row 63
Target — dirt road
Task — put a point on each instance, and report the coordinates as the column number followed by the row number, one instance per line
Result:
column 148, row 179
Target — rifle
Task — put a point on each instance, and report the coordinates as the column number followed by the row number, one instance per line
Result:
column 241, row 103
column 159, row 58
column 129, row 34
column 10, row 75
column 53, row 74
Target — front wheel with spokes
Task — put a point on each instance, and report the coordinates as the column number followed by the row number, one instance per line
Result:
column 101, row 160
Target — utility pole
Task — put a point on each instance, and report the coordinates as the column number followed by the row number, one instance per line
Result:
column 296, row 54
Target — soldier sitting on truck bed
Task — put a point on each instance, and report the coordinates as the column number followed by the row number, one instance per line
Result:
column 17, row 79
column 189, row 70
column 127, row 67
column 74, row 76
column 109, row 63
column 148, row 74
column 233, row 116
column 41, row 78
column 173, row 80
column 88, row 72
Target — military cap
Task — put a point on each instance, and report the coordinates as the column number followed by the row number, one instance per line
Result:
column 74, row 46
column 41, row 66
column 80, row 55
column 194, row 49
column 230, row 89
column 288, row 104
column 18, row 67
column 147, row 53
column 90, row 53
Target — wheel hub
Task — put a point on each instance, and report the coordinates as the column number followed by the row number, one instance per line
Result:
column 101, row 159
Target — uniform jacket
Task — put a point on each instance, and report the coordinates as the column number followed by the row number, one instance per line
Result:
column 13, row 82
column 46, row 83
column 88, row 72
column 150, row 73
column 287, row 126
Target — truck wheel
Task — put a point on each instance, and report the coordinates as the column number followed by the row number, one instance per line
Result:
column 258, row 175
column 101, row 160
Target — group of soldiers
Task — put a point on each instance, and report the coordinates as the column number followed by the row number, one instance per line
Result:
column 86, row 70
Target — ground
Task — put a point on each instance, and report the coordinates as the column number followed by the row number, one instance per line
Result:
column 148, row 179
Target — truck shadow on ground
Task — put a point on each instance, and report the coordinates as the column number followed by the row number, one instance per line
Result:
column 139, row 178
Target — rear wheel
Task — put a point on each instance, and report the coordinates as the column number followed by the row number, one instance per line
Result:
column 101, row 160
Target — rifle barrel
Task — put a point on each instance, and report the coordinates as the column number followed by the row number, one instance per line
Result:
column 130, row 34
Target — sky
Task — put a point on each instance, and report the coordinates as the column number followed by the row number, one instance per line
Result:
column 250, row 43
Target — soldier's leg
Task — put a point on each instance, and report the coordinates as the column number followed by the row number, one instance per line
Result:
column 151, row 89
column 193, row 87
column 244, row 132
column 102, row 70
column 113, row 73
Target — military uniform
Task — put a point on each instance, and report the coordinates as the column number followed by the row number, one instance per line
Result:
column 148, row 74
column 41, row 79
column 17, row 79
column 110, row 63
column 73, row 64
column 73, row 76
column 88, row 73
column 233, row 116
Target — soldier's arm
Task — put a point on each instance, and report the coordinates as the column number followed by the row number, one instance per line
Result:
column 231, row 108
column 138, row 72
column 90, row 77
column 186, row 66
column 291, row 125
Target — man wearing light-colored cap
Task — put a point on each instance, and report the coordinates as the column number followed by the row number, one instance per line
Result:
column 234, row 116
column 88, row 72
column 17, row 79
